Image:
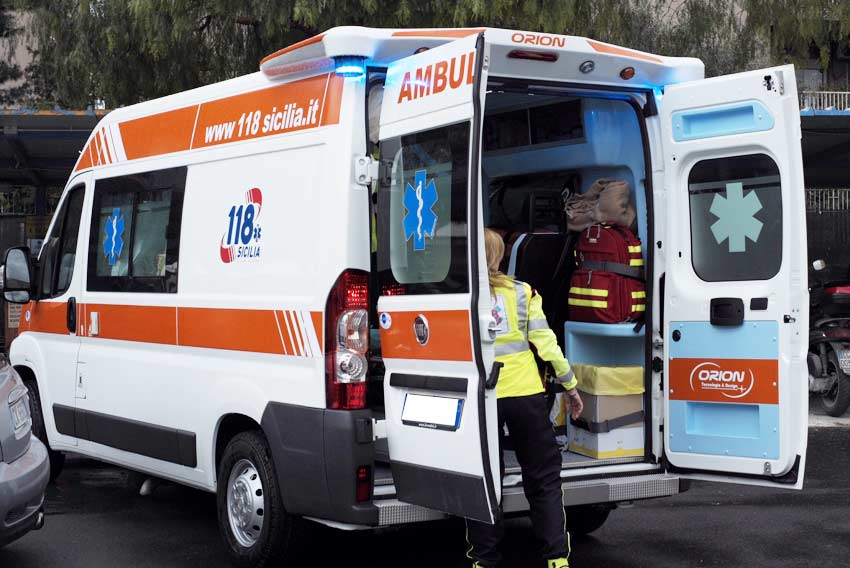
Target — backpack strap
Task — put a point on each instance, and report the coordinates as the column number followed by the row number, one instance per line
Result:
column 620, row 268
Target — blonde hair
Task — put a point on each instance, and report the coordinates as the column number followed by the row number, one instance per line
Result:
column 494, row 246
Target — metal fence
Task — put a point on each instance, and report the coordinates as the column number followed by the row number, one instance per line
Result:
column 825, row 100
column 828, row 219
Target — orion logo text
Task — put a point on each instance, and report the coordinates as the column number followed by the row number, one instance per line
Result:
column 731, row 383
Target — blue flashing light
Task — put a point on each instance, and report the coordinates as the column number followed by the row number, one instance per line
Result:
column 350, row 66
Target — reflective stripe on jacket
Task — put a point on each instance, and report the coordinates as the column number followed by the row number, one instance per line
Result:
column 519, row 319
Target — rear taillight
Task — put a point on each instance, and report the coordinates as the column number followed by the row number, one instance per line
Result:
column 347, row 341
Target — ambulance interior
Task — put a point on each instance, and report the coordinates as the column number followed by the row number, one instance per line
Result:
column 541, row 144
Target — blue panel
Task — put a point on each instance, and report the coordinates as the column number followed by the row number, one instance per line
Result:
column 701, row 340
column 722, row 120
column 593, row 344
column 723, row 429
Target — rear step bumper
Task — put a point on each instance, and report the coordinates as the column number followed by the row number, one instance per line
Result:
column 610, row 490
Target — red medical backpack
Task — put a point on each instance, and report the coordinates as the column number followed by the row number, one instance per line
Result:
column 608, row 285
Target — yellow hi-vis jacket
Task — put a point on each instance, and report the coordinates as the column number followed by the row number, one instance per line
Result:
column 518, row 312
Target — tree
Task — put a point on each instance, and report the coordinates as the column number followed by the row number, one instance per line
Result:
column 9, row 71
column 800, row 30
column 124, row 51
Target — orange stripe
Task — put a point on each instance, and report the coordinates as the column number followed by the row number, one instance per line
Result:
column 162, row 133
column 232, row 329
column 106, row 145
column 465, row 32
column 333, row 100
column 97, row 153
column 449, row 337
column 44, row 317
column 293, row 47
column 84, row 161
column 296, row 333
column 614, row 50
column 280, row 332
column 318, row 325
column 284, row 331
column 145, row 324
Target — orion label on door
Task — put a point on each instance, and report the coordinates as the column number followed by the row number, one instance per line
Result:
column 753, row 381
column 241, row 239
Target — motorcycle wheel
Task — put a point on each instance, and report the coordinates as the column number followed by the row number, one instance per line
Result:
column 837, row 399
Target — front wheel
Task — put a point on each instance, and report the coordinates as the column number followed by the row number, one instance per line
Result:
column 584, row 519
column 57, row 459
column 836, row 399
column 255, row 528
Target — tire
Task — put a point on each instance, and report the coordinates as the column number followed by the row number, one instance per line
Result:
column 57, row 459
column 584, row 519
column 837, row 399
column 257, row 531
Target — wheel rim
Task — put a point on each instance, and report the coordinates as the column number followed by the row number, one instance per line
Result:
column 245, row 503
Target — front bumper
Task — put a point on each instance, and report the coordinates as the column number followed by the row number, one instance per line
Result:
column 22, row 485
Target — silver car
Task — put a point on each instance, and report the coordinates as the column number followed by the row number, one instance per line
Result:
column 24, row 464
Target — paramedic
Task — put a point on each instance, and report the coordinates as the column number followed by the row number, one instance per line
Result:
column 518, row 311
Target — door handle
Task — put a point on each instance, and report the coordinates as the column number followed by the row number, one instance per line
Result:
column 727, row 312
column 71, row 315
column 493, row 379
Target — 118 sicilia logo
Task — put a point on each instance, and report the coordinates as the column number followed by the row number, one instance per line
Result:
column 241, row 240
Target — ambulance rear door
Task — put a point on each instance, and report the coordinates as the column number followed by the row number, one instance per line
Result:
column 434, row 308
column 735, row 293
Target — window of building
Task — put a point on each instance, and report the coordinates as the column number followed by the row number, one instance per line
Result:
column 135, row 232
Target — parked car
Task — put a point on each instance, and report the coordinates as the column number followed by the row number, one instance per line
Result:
column 24, row 464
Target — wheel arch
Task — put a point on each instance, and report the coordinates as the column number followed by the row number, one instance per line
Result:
column 229, row 425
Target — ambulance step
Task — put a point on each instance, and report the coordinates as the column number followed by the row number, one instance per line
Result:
column 611, row 490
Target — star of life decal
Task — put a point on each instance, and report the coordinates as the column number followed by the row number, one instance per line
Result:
column 736, row 217
column 420, row 219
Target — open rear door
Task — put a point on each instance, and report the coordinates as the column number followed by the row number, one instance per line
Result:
column 434, row 308
column 736, row 299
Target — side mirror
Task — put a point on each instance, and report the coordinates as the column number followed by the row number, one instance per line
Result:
column 17, row 275
column 819, row 265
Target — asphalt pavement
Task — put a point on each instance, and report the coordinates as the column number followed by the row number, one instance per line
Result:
column 95, row 517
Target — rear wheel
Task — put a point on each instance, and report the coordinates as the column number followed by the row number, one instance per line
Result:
column 57, row 459
column 836, row 399
column 251, row 519
column 584, row 519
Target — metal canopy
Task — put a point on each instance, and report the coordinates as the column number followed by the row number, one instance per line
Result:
column 39, row 148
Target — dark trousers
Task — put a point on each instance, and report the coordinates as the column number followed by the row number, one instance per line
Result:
column 533, row 439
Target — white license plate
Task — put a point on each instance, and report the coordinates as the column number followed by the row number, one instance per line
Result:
column 844, row 360
column 436, row 412
column 20, row 412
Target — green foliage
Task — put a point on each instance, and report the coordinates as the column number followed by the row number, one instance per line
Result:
column 9, row 71
column 124, row 51
column 798, row 30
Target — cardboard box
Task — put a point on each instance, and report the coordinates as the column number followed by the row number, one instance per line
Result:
column 619, row 443
column 625, row 441
column 599, row 408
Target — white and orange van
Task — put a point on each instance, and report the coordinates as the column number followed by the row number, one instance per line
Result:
column 274, row 287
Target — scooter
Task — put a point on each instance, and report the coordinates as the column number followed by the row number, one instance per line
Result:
column 829, row 343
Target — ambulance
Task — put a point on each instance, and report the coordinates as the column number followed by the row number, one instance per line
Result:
column 274, row 288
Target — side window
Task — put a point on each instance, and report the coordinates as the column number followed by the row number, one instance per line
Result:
column 135, row 232
column 736, row 218
column 422, row 212
column 59, row 252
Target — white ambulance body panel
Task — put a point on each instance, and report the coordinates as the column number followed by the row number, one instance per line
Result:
column 254, row 196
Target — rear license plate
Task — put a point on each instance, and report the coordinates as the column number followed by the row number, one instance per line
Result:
column 20, row 413
column 435, row 412
column 844, row 360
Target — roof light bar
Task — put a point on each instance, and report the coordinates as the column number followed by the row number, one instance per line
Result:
column 350, row 66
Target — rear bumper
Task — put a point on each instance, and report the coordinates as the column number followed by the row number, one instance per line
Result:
column 608, row 490
column 22, row 485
